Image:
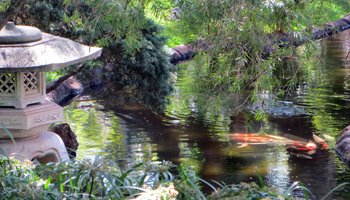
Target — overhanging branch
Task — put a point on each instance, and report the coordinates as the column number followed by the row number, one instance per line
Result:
column 185, row 52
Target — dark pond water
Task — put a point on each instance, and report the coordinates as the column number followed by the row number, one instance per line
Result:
column 195, row 129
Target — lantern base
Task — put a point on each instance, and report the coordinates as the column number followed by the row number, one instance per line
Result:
column 44, row 147
column 21, row 123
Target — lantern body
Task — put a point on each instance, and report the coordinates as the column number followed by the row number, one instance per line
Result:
column 21, row 89
column 25, row 112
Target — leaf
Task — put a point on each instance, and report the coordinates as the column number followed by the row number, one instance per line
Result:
column 8, row 133
column 334, row 189
column 47, row 183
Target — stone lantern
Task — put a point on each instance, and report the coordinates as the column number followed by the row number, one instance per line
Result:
column 25, row 113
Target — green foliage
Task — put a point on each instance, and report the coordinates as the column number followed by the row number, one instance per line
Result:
column 149, row 71
column 80, row 179
column 4, row 4
column 19, row 181
column 245, row 40
column 189, row 184
column 133, row 46
column 53, row 75
column 99, row 179
column 325, row 11
column 238, row 38
column 246, row 191
column 106, row 22
column 44, row 14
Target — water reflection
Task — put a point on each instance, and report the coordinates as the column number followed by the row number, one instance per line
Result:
column 194, row 130
column 316, row 174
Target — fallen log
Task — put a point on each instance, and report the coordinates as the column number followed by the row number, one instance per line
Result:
column 66, row 91
column 332, row 28
column 54, row 84
column 185, row 52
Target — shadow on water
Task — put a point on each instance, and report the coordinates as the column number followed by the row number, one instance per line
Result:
column 114, row 124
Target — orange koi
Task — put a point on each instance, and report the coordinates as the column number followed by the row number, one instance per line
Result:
column 293, row 143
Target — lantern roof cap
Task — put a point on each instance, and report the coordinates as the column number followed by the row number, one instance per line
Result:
column 12, row 34
column 46, row 53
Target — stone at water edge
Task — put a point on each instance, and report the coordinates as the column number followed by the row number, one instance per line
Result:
column 342, row 146
column 276, row 108
column 68, row 136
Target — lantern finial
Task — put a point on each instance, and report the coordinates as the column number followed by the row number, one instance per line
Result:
column 12, row 34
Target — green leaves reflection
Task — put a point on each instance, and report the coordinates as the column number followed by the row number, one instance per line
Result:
column 97, row 131
column 102, row 132
column 190, row 101
column 325, row 94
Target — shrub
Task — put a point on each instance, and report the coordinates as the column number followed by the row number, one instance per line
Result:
column 134, row 56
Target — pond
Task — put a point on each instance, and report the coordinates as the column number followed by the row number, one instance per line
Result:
column 194, row 130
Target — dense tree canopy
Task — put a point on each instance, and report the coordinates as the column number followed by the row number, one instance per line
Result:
column 248, row 43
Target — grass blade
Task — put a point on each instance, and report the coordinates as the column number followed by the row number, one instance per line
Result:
column 8, row 133
column 208, row 184
column 333, row 190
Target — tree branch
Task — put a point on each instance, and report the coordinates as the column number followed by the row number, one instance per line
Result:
column 11, row 11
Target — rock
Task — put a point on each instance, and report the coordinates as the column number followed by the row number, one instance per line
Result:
column 276, row 108
column 85, row 105
column 97, row 79
column 66, row 91
column 268, row 103
column 342, row 147
column 68, row 136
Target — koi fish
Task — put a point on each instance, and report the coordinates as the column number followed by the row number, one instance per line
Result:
column 293, row 143
column 321, row 142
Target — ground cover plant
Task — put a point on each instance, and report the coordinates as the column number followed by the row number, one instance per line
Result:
column 100, row 179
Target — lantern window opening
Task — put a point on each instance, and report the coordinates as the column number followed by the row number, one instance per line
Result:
column 31, row 82
column 7, row 84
